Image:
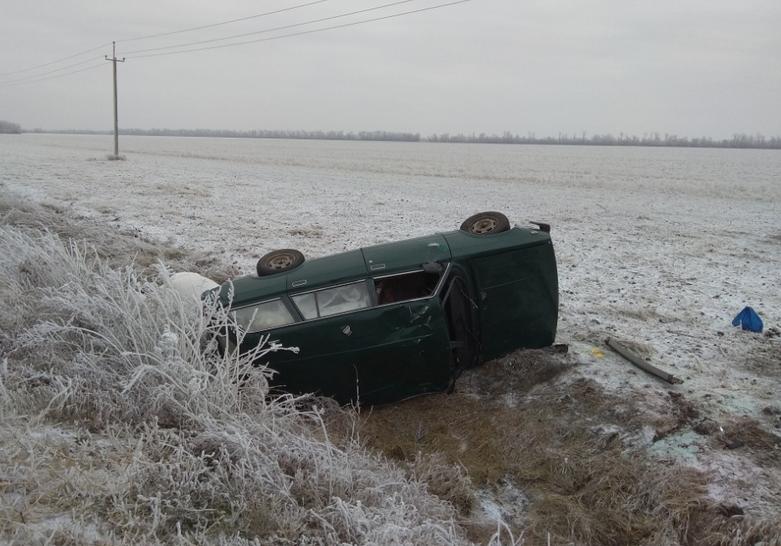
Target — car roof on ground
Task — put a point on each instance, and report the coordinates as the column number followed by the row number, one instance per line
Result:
column 464, row 245
column 382, row 259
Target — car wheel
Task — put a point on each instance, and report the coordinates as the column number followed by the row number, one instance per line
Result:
column 279, row 261
column 486, row 223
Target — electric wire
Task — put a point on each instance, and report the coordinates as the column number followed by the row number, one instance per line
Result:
column 267, row 30
column 73, row 56
column 45, row 78
column 304, row 32
column 53, row 74
column 221, row 23
column 158, row 35
column 34, row 76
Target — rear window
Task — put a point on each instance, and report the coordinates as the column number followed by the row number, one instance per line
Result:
column 264, row 316
column 333, row 301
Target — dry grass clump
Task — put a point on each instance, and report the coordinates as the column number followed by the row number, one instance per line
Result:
column 564, row 444
column 122, row 423
column 747, row 434
column 740, row 531
column 605, row 496
column 516, row 373
column 447, row 481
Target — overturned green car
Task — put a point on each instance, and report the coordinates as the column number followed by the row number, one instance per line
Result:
column 390, row 321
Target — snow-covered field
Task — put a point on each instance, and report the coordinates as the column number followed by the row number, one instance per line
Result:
column 660, row 246
column 657, row 247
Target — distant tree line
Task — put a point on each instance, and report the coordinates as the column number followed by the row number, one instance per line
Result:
column 6, row 127
column 739, row 140
column 261, row 133
column 265, row 133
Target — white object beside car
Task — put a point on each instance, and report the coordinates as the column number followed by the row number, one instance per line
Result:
column 191, row 285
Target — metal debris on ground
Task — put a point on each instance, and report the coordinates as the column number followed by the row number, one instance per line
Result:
column 642, row 364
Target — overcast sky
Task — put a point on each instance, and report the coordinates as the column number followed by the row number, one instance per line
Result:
column 688, row 67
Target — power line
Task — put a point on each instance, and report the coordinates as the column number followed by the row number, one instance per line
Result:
column 73, row 56
column 23, row 82
column 304, row 32
column 212, row 25
column 267, row 30
column 33, row 76
column 159, row 35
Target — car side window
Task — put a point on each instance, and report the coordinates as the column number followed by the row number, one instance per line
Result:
column 333, row 301
column 406, row 286
column 307, row 305
column 264, row 316
column 341, row 299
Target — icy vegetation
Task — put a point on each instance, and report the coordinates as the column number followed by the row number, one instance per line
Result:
column 122, row 422
column 658, row 249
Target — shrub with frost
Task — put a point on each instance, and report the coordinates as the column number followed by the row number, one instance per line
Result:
column 121, row 421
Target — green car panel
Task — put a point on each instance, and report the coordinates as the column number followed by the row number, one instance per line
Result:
column 466, row 245
column 377, row 354
column 404, row 255
column 391, row 351
column 334, row 269
column 245, row 290
column 518, row 299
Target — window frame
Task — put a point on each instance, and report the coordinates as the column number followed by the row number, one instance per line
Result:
column 434, row 293
column 298, row 316
column 367, row 282
column 294, row 314
column 299, row 313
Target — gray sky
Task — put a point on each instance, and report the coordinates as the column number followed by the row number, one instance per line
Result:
column 689, row 67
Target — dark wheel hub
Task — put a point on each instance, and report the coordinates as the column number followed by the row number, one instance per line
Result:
column 485, row 225
column 279, row 261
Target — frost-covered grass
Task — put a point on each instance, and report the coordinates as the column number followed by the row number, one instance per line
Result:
column 121, row 422
column 658, row 248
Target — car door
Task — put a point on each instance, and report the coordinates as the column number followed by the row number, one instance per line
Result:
column 336, row 327
column 373, row 355
column 518, row 298
column 408, row 353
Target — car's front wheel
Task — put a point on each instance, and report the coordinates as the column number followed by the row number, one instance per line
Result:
column 279, row 261
column 486, row 223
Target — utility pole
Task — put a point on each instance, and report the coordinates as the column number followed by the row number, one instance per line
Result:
column 114, row 60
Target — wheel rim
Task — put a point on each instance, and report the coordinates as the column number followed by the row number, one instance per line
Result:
column 483, row 226
column 283, row 261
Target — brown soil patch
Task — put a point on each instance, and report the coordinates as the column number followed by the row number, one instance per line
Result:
column 682, row 413
column 747, row 434
column 561, row 439
column 764, row 357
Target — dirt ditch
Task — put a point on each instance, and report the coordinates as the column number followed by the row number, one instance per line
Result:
column 529, row 421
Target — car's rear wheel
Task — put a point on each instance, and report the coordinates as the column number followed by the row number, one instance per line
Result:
column 278, row 261
column 486, row 223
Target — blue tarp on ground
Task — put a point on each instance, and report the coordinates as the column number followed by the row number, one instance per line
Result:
column 748, row 320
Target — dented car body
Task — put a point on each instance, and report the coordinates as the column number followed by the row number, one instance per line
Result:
column 391, row 321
